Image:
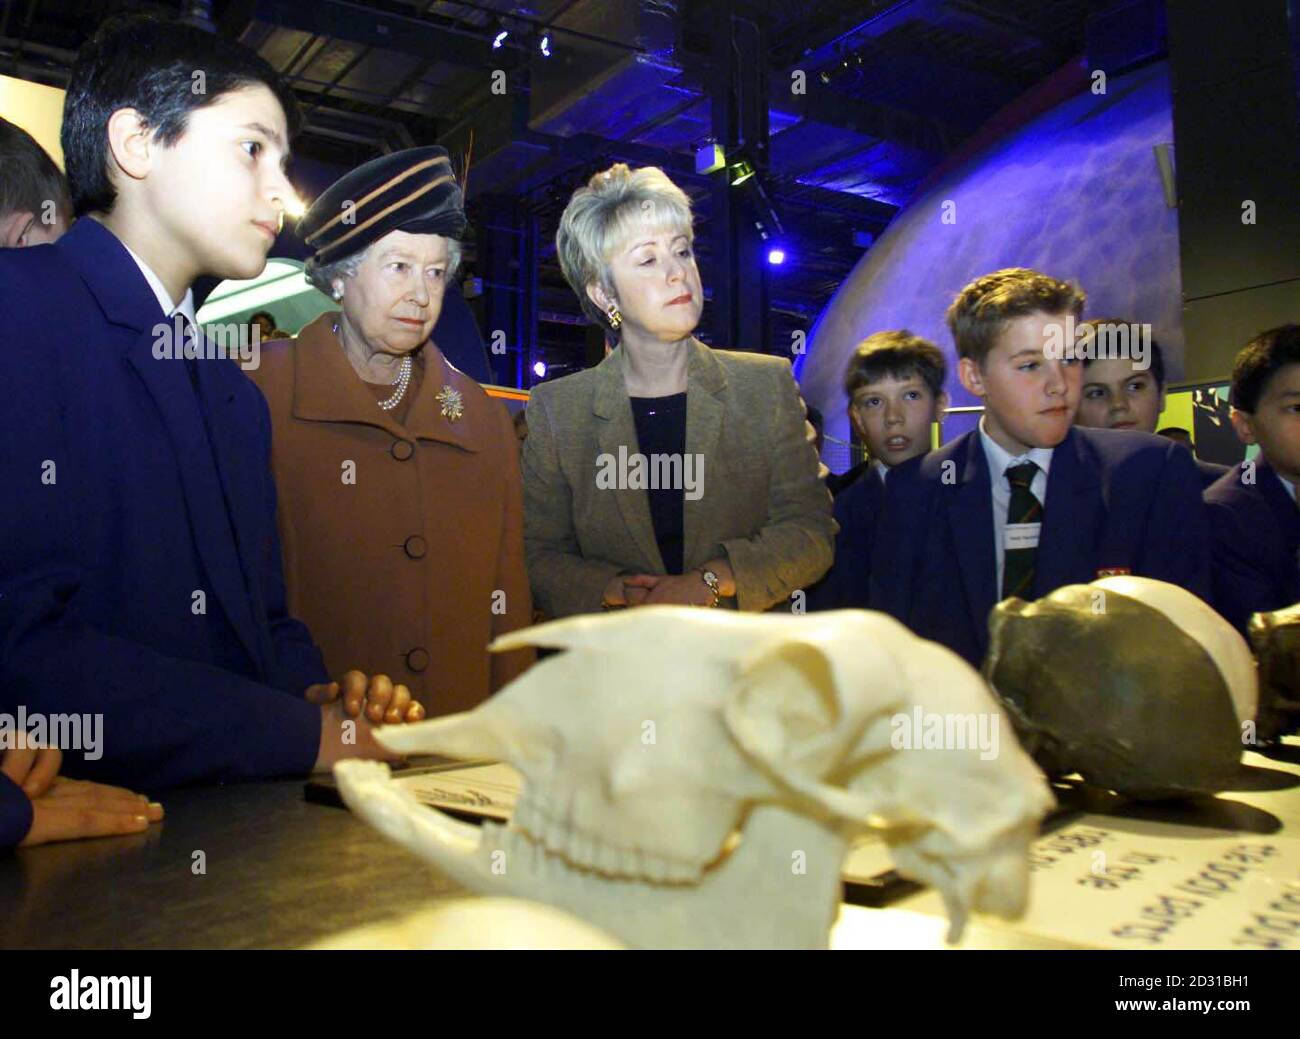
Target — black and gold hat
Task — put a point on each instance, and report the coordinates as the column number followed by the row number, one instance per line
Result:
column 412, row 190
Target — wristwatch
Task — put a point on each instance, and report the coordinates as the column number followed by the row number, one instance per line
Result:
column 711, row 579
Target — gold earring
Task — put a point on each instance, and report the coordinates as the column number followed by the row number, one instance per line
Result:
column 615, row 316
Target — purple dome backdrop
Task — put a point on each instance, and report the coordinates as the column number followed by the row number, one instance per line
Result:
column 1075, row 193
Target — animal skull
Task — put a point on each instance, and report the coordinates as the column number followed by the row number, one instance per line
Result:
column 694, row 777
column 1275, row 638
column 1135, row 684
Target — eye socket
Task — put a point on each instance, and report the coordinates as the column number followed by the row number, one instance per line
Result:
column 912, row 395
column 1136, row 385
column 1028, row 366
column 1093, row 393
column 256, row 144
column 397, row 265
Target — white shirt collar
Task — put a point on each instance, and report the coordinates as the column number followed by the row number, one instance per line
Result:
column 169, row 308
column 1290, row 487
column 881, row 469
column 999, row 458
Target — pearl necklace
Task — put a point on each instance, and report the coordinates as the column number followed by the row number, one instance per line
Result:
column 403, row 378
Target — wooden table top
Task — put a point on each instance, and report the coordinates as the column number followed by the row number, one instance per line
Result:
column 282, row 872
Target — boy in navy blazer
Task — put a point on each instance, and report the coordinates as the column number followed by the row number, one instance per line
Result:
column 894, row 385
column 1027, row 502
column 1254, row 521
column 140, row 574
column 1124, row 383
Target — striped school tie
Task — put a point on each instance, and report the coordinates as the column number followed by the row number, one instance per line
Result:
column 1018, row 564
column 191, row 337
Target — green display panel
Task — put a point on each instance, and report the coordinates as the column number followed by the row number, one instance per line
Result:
column 1204, row 412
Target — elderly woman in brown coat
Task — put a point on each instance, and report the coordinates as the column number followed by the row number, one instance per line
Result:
column 400, row 502
column 671, row 472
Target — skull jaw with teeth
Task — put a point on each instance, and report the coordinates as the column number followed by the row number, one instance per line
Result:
column 706, row 798
column 750, row 898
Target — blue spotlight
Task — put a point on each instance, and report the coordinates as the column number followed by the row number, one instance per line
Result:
column 776, row 256
column 500, row 39
column 539, row 369
column 545, row 45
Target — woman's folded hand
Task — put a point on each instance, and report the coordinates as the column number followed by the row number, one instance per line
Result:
column 382, row 702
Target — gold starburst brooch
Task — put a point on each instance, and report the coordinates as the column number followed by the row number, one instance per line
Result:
column 453, row 404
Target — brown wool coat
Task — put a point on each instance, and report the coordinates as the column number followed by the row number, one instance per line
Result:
column 396, row 572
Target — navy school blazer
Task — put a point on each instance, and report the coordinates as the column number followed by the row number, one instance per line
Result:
column 1255, row 527
column 15, row 814
column 115, row 519
column 1116, row 500
column 846, row 584
column 1210, row 472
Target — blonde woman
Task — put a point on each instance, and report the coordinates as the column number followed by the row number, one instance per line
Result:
column 671, row 472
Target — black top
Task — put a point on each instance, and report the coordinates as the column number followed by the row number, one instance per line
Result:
column 661, row 430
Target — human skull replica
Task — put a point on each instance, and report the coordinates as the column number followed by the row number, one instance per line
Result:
column 1275, row 638
column 693, row 778
column 1135, row 684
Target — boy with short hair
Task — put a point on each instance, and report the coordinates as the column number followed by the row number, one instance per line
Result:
column 1118, row 394
column 1254, row 519
column 34, row 206
column 894, row 385
column 140, row 572
column 1028, row 502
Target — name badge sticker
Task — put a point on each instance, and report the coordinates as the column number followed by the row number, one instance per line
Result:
column 1021, row 535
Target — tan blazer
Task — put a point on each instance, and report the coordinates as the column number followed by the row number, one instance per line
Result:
column 763, row 505
column 415, row 564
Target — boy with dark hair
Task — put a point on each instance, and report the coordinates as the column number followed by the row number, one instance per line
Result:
column 907, row 372
column 34, row 205
column 1124, row 383
column 266, row 327
column 1179, row 435
column 140, row 572
column 894, row 384
column 1254, row 519
column 1028, row 502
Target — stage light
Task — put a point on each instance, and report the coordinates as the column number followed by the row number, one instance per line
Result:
column 709, row 157
column 776, row 257
column 500, row 39
column 741, row 171
column 539, row 369
column 545, row 45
